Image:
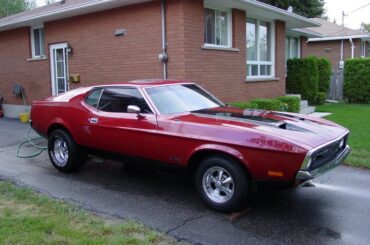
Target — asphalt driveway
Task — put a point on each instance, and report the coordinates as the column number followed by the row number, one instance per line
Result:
column 336, row 211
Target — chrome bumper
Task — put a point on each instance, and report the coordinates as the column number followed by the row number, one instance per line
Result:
column 304, row 175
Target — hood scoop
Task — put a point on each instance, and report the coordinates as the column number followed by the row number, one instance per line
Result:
column 256, row 118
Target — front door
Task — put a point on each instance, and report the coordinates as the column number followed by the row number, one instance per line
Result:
column 59, row 68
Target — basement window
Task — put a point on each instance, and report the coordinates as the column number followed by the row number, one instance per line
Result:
column 217, row 28
column 37, row 42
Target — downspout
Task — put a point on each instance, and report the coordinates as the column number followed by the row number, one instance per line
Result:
column 352, row 48
column 163, row 55
column 341, row 51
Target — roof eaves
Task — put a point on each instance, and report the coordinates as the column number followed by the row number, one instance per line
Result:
column 321, row 39
column 282, row 11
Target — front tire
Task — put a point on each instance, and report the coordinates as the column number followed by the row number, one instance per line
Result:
column 222, row 184
column 64, row 153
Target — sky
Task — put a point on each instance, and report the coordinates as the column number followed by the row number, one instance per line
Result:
column 334, row 10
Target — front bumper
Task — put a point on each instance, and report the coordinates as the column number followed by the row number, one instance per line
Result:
column 304, row 175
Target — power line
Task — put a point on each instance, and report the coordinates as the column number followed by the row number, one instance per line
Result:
column 344, row 14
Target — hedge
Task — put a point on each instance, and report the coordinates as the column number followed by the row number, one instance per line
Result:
column 285, row 103
column 293, row 103
column 302, row 78
column 357, row 80
column 320, row 98
column 324, row 68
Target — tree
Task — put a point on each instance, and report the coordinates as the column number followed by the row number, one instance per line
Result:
column 307, row 8
column 9, row 7
column 365, row 27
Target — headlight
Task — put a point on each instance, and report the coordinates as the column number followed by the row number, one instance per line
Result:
column 341, row 144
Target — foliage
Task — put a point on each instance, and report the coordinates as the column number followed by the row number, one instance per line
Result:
column 357, row 80
column 293, row 103
column 307, row 8
column 9, row 7
column 320, row 98
column 303, row 78
column 42, row 220
column 263, row 104
column 324, row 67
column 356, row 118
column 365, row 27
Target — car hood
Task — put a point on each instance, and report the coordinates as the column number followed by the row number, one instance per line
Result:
column 309, row 131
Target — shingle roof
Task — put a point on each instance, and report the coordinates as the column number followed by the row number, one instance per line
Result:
column 328, row 29
column 60, row 10
column 42, row 10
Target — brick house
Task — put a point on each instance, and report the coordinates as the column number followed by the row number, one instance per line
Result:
column 335, row 42
column 234, row 48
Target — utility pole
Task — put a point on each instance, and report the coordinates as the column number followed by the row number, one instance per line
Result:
column 345, row 15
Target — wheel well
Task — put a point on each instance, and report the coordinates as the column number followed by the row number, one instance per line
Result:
column 196, row 158
column 56, row 126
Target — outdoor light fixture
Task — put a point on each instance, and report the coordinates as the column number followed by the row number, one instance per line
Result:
column 69, row 50
column 120, row 32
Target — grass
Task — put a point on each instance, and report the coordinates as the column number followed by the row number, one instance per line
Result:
column 30, row 218
column 356, row 118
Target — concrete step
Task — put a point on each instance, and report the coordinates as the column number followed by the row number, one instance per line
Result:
column 307, row 110
column 304, row 103
column 295, row 95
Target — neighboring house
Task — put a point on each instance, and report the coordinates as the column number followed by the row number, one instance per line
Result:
column 337, row 43
column 75, row 43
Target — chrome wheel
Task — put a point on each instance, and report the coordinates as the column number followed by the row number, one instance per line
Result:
column 60, row 152
column 218, row 184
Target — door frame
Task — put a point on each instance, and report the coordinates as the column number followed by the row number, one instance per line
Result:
column 54, row 87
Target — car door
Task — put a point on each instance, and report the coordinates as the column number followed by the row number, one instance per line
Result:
column 111, row 128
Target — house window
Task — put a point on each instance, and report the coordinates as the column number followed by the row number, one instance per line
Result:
column 217, row 28
column 37, row 42
column 363, row 49
column 260, row 54
column 292, row 48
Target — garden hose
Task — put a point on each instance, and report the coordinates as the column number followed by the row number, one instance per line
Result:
column 29, row 140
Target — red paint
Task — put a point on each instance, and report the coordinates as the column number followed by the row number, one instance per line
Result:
column 175, row 138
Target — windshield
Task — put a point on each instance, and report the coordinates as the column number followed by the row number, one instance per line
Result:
column 181, row 98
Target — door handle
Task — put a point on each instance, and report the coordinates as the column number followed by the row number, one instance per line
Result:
column 93, row 120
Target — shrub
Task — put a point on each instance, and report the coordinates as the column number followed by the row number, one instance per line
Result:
column 244, row 105
column 320, row 98
column 357, row 80
column 269, row 104
column 293, row 103
column 324, row 67
column 263, row 104
column 302, row 78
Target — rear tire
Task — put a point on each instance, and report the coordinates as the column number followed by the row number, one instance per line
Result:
column 222, row 184
column 64, row 153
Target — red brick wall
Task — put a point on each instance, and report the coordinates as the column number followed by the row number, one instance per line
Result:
column 221, row 72
column 14, row 67
column 98, row 56
column 331, row 50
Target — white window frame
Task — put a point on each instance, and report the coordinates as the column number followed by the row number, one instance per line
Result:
column 298, row 48
column 363, row 49
column 33, row 42
column 229, row 26
column 272, row 62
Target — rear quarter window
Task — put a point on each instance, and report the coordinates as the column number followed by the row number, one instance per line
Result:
column 93, row 98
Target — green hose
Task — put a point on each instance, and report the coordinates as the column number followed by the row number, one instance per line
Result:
column 29, row 141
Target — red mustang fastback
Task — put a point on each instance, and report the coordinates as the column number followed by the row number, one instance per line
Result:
column 178, row 123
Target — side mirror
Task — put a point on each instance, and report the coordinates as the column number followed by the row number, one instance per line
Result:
column 133, row 109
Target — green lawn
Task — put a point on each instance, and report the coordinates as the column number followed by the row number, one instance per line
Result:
column 30, row 218
column 356, row 118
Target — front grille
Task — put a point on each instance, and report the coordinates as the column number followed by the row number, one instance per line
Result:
column 328, row 153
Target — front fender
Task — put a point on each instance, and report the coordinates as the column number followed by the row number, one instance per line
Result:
column 219, row 148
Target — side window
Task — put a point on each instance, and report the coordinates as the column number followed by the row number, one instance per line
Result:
column 93, row 98
column 118, row 99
